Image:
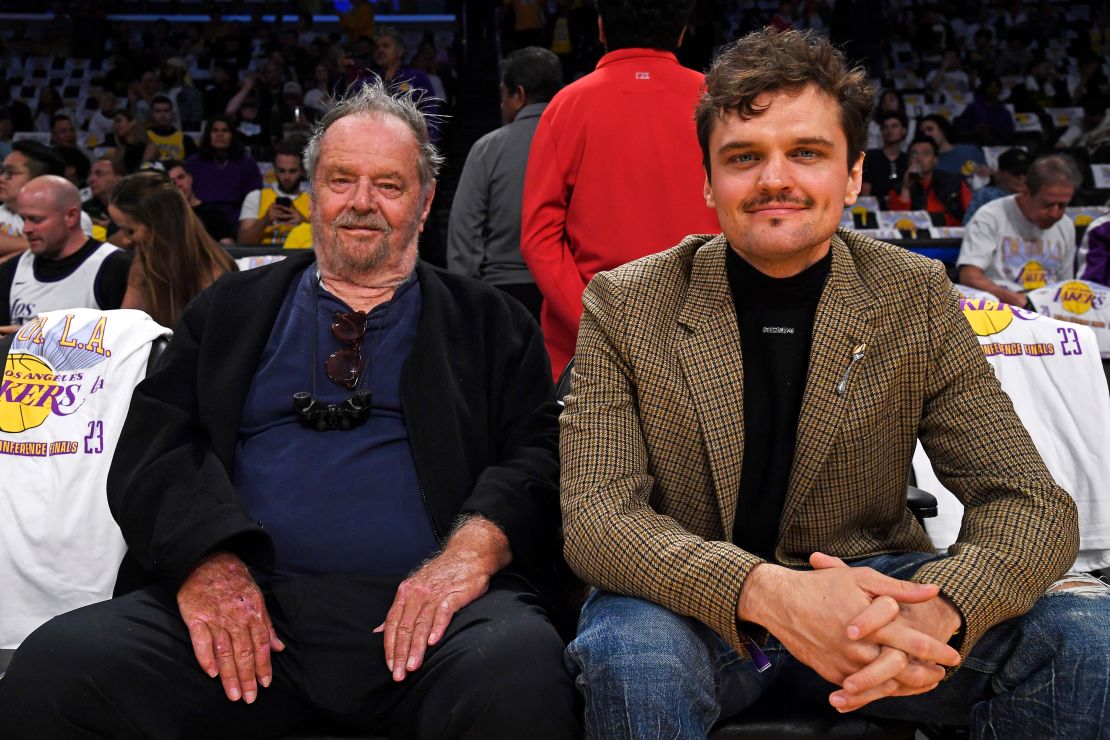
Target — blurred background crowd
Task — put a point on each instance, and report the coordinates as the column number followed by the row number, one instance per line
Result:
column 220, row 95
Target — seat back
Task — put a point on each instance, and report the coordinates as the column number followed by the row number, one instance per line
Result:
column 67, row 384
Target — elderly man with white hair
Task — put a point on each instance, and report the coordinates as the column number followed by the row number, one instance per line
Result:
column 340, row 488
column 63, row 268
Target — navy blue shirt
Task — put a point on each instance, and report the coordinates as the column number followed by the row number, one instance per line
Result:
column 335, row 501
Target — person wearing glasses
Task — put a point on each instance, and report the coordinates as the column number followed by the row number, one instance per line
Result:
column 27, row 160
column 339, row 492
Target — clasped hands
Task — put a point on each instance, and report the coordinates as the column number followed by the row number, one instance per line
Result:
column 872, row 635
column 233, row 637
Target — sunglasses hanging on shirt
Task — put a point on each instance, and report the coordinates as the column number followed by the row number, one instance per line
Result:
column 344, row 368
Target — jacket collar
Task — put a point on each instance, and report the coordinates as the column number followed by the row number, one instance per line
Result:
column 532, row 110
column 621, row 55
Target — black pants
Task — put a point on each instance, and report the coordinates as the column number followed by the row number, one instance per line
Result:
column 125, row 669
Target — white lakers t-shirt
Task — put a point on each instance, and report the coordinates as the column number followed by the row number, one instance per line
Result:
column 67, row 383
column 1078, row 302
column 1014, row 252
column 1053, row 375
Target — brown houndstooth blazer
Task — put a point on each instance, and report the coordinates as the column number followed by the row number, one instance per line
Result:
column 653, row 438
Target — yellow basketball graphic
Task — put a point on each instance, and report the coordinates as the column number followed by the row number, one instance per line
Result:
column 1033, row 275
column 862, row 211
column 1083, row 220
column 987, row 317
column 18, row 369
column 1076, row 297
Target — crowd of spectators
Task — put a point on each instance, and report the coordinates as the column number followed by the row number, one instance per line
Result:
column 221, row 97
column 222, row 107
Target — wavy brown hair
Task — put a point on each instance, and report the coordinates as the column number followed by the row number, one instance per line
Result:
column 181, row 259
column 769, row 61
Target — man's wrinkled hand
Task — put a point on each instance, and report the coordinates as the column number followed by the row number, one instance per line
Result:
column 428, row 599
column 229, row 626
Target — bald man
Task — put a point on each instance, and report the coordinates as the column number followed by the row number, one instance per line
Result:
column 63, row 268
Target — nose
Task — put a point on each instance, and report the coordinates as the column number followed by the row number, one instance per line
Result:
column 362, row 200
column 774, row 174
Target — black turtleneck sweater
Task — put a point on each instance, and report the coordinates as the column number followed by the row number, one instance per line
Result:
column 775, row 316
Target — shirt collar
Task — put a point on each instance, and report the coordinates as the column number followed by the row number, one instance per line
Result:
column 532, row 110
column 621, row 55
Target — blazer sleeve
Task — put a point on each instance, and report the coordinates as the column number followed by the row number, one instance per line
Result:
column 614, row 538
column 1020, row 530
column 167, row 489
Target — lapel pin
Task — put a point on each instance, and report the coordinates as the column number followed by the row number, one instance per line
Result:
column 857, row 355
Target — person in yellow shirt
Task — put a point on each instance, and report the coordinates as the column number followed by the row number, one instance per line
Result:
column 170, row 142
column 269, row 214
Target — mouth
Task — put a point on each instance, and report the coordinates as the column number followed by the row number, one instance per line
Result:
column 776, row 210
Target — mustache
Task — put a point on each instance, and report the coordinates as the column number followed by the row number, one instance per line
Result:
column 766, row 200
column 350, row 219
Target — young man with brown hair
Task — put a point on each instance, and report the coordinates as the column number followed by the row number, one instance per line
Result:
column 739, row 433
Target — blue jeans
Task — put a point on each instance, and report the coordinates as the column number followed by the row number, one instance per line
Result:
column 646, row 672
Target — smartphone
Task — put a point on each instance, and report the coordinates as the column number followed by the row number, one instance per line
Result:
column 284, row 202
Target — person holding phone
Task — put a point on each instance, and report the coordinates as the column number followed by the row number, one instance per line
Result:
column 270, row 213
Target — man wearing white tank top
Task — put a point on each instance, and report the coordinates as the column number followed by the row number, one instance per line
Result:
column 63, row 268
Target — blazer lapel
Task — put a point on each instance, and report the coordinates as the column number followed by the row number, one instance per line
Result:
column 713, row 368
column 840, row 328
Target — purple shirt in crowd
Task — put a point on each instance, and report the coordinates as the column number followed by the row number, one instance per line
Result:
column 224, row 183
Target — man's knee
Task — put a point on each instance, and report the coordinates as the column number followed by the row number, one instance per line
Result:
column 634, row 643
column 50, row 675
column 516, row 652
column 1075, row 615
column 501, row 676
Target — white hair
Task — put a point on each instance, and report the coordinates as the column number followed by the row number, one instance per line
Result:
column 372, row 99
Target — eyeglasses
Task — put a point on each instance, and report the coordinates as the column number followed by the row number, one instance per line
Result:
column 344, row 366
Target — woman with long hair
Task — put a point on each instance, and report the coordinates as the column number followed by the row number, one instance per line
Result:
column 175, row 258
column 223, row 173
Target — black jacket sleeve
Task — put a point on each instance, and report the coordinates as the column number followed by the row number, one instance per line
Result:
column 167, row 489
column 519, row 490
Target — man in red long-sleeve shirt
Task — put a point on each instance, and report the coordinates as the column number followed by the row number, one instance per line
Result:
column 925, row 188
column 614, row 171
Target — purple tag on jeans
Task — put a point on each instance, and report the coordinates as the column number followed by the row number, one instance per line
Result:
column 762, row 662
